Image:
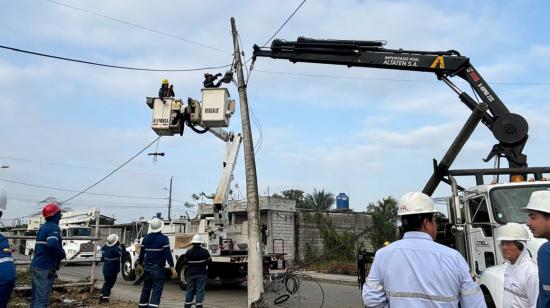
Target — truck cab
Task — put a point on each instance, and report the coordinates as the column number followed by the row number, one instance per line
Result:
column 480, row 210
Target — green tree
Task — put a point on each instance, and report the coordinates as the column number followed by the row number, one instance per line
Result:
column 293, row 194
column 319, row 200
column 384, row 218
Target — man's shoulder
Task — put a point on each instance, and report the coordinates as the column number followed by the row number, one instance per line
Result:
column 413, row 243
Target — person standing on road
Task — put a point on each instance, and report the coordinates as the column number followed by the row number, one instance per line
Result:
column 153, row 255
column 538, row 211
column 521, row 280
column 197, row 259
column 111, row 253
column 7, row 267
column 417, row 272
column 48, row 253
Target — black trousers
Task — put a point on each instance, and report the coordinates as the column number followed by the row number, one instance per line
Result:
column 107, row 286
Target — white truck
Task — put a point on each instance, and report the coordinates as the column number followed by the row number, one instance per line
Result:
column 474, row 213
column 227, row 242
column 72, row 224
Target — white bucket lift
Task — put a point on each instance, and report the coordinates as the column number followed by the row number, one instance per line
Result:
column 217, row 108
column 166, row 120
column 170, row 114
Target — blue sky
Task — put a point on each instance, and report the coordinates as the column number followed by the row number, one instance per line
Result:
column 66, row 125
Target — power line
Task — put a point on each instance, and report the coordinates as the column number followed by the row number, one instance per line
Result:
column 112, row 172
column 393, row 79
column 110, row 65
column 88, row 193
column 139, row 26
column 286, row 21
column 98, row 168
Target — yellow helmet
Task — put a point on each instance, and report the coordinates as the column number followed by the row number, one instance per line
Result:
column 165, row 81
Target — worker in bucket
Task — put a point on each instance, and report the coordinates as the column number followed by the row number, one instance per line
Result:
column 7, row 267
column 153, row 255
column 111, row 253
column 521, row 282
column 166, row 89
column 538, row 213
column 197, row 259
column 416, row 271
column 48, row 253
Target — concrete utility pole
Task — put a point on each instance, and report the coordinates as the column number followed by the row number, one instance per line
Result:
column 255, row 269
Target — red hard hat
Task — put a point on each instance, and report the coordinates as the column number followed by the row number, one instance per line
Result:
column 50, row 209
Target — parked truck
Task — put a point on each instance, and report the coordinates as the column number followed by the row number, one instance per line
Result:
column 226, row 241
column 473, row 213
column 72, row 224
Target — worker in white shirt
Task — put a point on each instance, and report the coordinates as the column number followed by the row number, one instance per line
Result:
column 416, row 271
column 521, row 280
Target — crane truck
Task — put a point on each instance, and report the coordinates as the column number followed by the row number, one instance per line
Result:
column 226, row 242
column 473, row 213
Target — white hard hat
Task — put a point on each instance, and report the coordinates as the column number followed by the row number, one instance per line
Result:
column 539, row 201
column 415, row 203
column 3, row 199
column 155, row 225
column 112, row 239
column 196, row 239
column 512, row 232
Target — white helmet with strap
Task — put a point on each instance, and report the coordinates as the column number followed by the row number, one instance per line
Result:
column 112, row 239
column 415, row 203
column 539, row 201
column 155, row 225
column 512, row 232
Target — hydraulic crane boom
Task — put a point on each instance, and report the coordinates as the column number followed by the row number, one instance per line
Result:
column 510, row 129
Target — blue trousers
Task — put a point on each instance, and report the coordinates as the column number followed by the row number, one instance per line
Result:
column 42, row 284
column 107, row 286
column 6, row 287
column 153, row 283
column 195, row 288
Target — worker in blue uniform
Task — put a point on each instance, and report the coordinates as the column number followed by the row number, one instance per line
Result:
column 7, row 268
column 417, row 272
column 538, row 211
column 153, row 255
column 111, row 253
column 197, row 259
column 48, row 253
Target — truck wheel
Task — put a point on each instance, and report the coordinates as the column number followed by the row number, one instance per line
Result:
column 128, row 272
column 182, row 277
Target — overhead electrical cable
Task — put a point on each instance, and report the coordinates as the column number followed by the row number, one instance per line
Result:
column 286, row 21
column 88, row 193
column 110, row 65
column 112, row 172
column 139, row 26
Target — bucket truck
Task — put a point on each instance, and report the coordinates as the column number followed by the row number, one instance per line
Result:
column 226, row 242
column 475, row 212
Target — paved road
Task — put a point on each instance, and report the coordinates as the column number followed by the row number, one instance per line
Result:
column 310, row 293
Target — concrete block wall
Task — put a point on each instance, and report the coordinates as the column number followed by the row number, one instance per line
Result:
column 281, row 234
column 308, row 233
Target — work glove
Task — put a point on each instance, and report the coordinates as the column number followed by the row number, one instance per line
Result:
column 174, row 273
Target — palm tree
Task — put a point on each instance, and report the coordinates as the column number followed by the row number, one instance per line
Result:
column 384, row 217
column 319, row 200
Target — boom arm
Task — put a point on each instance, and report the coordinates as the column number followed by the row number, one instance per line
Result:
column 511, row 130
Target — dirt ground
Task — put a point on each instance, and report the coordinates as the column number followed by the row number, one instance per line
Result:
column 62, row 297
column 70, row 297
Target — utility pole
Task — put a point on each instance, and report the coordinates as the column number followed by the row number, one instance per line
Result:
column 170, row 199
column 255, row 269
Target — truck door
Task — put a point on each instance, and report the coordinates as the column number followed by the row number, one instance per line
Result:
column 479, row 234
